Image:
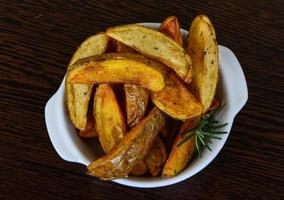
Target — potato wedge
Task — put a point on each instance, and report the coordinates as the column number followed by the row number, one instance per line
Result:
column 203, row 49
column 175, row 100
column 180, row 155
column 139, row 169
column 132, row 148
column 119, row 68
column 78, row 95
column 110, row 124
column 156, row 45
column 90, row 130
column 171, row 28
column 156, row 156
column 136, row 98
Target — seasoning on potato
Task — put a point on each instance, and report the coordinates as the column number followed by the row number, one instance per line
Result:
column 203, row 49
column 156, row 45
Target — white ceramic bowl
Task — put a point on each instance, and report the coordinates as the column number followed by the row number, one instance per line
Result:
column 232, row 90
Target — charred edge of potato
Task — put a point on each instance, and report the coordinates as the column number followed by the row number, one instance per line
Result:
column 132, row 148
column 180, row 155
column 110, row 124
column 171, row 27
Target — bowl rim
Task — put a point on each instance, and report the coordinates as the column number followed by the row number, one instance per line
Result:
column 73, row 155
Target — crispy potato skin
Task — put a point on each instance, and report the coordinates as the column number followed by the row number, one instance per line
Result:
column 90, row 130
column 203, row 49
column 171, row 27
column 175, row 100
column 77, row 96
column 156, row 45
column 156, row 157
column 119, row 68
column 110, row 124
column 136, row 98
column 180, row 155
column 132, row 148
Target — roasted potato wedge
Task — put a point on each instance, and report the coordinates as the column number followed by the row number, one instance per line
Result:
column 203, row 49
column 78, row 95
column 171, row 28
column 110, row 124
column 180, row 155
column 156, row 157
column 132, row 148
column 175, row 100
column 119, row 68
column 139, row 169
column 156, row 45
column 136, row 98
column 90, row 130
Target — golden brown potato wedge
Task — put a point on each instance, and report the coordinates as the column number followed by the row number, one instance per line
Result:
column 203, row 49
column 139, row 169
column 90, row 130
column 132, row 148
column 171, row 28
column 136, row 98
column 110, row 124
column 180, row 155
column 119, row 68
column 78, row 95
column 175, row 100
column 156, row 45
column 156, row 156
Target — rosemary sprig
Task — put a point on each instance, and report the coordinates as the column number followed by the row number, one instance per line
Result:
column 205, row 131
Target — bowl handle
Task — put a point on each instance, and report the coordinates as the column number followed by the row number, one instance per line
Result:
column 235, row 79
column 66, row 147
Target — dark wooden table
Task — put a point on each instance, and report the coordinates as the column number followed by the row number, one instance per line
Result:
column 37, row 41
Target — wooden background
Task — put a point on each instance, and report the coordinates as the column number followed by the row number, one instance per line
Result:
column 37, row 41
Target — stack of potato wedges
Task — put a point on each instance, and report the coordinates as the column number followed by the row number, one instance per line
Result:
column 129, row 85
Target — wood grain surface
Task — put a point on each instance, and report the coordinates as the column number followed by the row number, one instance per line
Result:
column 37, row 41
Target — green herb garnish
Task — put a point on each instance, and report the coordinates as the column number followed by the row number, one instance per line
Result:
column 205, row 131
